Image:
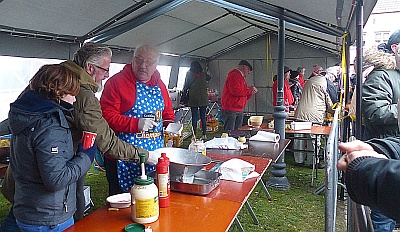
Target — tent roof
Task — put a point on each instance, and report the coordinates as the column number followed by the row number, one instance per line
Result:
column 195, row 28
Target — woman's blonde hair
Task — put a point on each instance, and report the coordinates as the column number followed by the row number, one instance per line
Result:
column 54, row 81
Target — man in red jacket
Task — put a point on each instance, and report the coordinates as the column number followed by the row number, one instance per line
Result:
column 234, row 96
column 135, row 103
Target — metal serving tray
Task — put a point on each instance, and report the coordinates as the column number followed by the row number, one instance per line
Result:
column 203, row 183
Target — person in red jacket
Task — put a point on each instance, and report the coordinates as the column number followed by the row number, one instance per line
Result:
column 301, row 71
column 135, row 103
column 288, row 99
column 235, row 95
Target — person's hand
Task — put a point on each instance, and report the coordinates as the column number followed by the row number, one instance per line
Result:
column 146, row 124
column 254, row 89
column 355, row 145
column 347, row 158
column 90, row 152
column 153, row 157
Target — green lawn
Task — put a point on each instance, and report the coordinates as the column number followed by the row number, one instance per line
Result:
column 296, row 209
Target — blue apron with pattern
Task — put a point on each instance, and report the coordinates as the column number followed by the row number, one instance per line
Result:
column 149, row 103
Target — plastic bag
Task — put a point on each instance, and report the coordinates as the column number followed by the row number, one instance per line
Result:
column 237, row 170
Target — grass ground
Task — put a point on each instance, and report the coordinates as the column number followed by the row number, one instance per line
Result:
column 296, row 209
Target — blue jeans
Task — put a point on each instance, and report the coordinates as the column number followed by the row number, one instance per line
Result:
column 36, row 228
column 195, row 118
column 232, row 120
column 381, row 222
column 9, row 223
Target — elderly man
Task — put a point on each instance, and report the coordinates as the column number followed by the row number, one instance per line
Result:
column 91, row 63
column 235, row 95
column 136, row 104
column 313, row 107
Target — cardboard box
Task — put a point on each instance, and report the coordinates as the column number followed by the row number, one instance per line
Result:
column 88, row 200
column 212, row 126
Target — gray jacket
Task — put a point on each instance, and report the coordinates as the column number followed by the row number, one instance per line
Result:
column 42, row 158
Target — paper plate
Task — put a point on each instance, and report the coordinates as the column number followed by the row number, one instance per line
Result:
column 122, row 200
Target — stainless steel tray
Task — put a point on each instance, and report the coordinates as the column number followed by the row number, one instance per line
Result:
column 203, row 183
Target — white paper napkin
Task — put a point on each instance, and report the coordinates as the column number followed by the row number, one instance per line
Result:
column 265, row 136
column 224, row 143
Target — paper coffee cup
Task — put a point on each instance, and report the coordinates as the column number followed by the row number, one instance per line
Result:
column 88, row 139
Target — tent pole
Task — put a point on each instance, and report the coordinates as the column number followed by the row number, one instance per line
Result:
column 278, row 180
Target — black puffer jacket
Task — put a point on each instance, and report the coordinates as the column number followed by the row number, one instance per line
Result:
column 42, row 158
column 380, row 94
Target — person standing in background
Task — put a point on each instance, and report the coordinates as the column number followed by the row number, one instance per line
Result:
column 333, row 90
column 288, row 99
column 301, row 71
column 295, row 87
column 136, row 104
column 235, row 95
column 313, row 107
column 45, row 167
column 317, row 70
column 380, row 95
column 196, row 82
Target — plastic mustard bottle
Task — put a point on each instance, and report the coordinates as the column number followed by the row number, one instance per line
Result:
column 163, row 180
column 144, row 194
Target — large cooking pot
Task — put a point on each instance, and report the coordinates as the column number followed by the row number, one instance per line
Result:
column 184, row 162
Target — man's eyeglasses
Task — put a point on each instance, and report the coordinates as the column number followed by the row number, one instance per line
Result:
column 104, row 69
column 140, row 61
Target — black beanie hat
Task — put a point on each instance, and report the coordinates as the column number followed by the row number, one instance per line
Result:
column 286, row 69
column 244, row 62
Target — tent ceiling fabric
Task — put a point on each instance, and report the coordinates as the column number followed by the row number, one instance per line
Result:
column 202, row 28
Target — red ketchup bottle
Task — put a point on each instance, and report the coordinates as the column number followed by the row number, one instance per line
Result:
column 163, row 181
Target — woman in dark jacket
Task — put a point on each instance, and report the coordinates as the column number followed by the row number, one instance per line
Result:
column 42, row 158
column 295, row 87
column 196, row 83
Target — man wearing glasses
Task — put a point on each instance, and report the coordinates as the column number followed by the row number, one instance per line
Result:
column 135, row 102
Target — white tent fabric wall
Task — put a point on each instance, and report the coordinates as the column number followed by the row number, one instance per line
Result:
column 295, row 56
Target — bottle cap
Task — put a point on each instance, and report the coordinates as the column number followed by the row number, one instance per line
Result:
column 140, row 181
column 135, row 227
